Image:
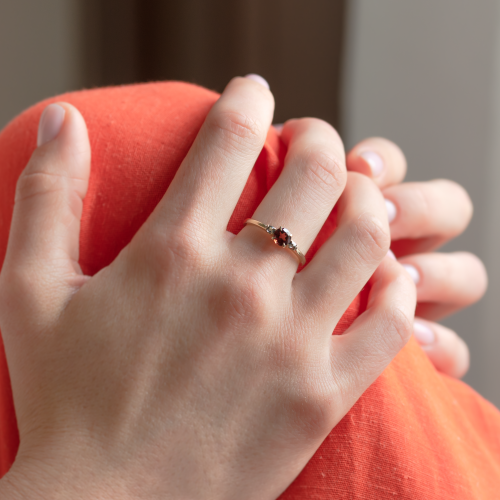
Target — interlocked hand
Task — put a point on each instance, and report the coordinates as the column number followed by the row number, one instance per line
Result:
column 424, row 216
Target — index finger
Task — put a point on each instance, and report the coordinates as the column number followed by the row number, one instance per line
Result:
column 380, row 159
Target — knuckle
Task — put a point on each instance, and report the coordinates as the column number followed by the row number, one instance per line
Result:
column 32, row 184
column 236, row 127
column 245, row 299
column 399, row 328
column 176, row 256
column 372, row 239
column 311, row 405
column 326, row 171
column 189, row 249
column 21, row 290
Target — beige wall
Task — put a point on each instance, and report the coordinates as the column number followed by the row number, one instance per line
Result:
column 424, row 74
column 39, row 52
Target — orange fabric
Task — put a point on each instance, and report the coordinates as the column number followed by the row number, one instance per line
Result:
column 415, row 434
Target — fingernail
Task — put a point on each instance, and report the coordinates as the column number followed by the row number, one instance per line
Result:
column 423, row 334
column 391, row 255
column 391, row 210
column 374, row 160
column 50, row 123
column 278, row 127
column 258, row 79
column 412, row 271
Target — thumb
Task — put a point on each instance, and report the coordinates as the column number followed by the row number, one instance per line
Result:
column 43, row 247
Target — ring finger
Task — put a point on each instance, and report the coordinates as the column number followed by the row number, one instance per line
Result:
column 312, row 180
column 445, row 282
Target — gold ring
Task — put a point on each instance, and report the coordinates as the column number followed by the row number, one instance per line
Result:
column 281, row 236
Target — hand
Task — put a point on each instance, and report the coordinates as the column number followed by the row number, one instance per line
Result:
column 199, row 364
column 424, row 216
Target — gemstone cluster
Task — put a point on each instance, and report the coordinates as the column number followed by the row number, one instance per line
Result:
column 282, row 237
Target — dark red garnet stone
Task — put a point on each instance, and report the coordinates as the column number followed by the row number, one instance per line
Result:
column 282, row 237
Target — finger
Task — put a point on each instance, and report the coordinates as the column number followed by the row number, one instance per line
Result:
column 44, row 235
column 435, row 211
column 379, row 159
column 309, row 186
column 446, row 350
column 408, row 246
column 210, row 180
column 343, row 265
column 446, row 283
column 360, row 355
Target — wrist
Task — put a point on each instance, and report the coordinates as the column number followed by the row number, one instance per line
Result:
column 32, row 479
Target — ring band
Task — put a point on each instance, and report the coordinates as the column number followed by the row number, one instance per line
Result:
column 281, row 236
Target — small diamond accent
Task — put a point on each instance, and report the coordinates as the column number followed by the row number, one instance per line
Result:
column 271, row 229
column 292, row 245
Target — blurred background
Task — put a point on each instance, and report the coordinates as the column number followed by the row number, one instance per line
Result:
column 425, row 74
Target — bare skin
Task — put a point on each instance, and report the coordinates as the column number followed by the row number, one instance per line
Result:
column 169, row 409
column 425, row 216
column 182, row 370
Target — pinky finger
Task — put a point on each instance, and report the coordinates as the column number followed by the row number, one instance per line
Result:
column 446, row 350
column 366, row 348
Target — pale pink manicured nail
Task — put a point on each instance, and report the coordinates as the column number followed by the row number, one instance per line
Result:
column 278, row 127
column 412, row 271
column 374, row 160
column 391, row 210
column 258, row 79
column 391, row 255
column 50, row 124
column 423, row 334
